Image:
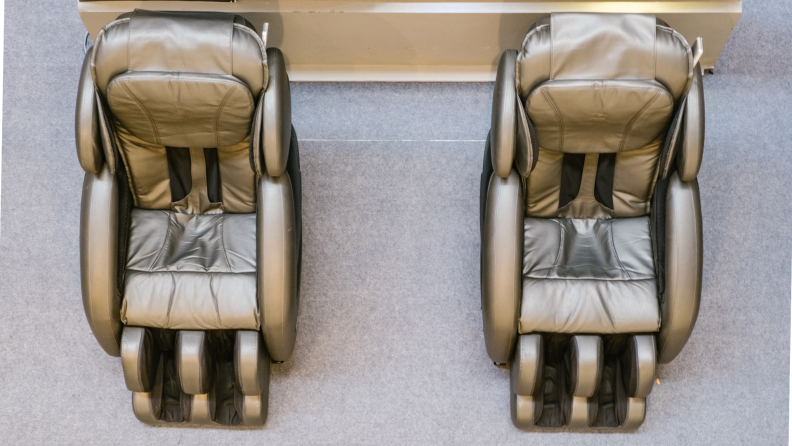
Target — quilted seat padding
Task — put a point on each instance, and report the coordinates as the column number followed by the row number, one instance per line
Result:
column 191, row 272
column 588, row 276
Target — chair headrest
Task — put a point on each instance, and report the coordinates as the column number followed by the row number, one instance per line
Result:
column 182, row 41
column 602, row 46
column 588, row 46
column 181, row 79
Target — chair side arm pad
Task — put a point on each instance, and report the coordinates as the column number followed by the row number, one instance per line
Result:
column 501, row 264
column 86, row 122
column 98, row 258
column 276, row 262
column 277, row 115
column 683, row 266
column 504, row 119
column 689, row 158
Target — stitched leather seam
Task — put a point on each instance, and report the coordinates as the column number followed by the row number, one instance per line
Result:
column 214, row 299
column 99, row 39
column 258, row 40
column 219, row 111
column 632, row 122
column 170, row 298
column 222, row 241
column 616, row 253
column 558, row 116
column 531, row 34
column 560, row 247
column 689, row 51
column 139, row 104
column 131, row 183
column 162, row 248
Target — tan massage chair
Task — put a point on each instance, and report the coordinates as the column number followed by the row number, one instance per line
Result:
column 190, row 238
column 591, row 223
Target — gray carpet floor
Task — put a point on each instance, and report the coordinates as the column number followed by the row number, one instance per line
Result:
column 390, row 346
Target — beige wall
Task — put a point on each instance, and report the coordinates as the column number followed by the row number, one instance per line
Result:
column 332, row 40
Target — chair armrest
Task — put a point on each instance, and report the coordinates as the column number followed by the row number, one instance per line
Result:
column 501, row 264
column 276, row 254
column 277, row 115
column 86, row 122
column 692, row 150
column 99, row 256
column 683, row 264
column 504, row 119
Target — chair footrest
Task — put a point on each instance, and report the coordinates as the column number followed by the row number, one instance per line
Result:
column 231, row 368
column 573, row 382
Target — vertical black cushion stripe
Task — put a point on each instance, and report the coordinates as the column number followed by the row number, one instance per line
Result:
column 603, row 187
column 179, row 172
column 571, row 175
column 213, row 188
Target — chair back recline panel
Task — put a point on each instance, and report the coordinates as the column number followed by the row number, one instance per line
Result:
column 600, row 107
column 588, row 182
column 177, row 85
column 190, row 232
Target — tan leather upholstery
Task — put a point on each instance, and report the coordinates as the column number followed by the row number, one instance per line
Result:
column 607, row 137
column 190, row 250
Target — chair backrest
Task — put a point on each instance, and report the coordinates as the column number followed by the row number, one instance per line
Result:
column 600, row 91
column 179, row 91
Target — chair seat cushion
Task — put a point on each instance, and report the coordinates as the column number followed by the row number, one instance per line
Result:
column 191, row 271
column 588, row 276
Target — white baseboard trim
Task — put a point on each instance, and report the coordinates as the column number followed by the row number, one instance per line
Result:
column 400, row 41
